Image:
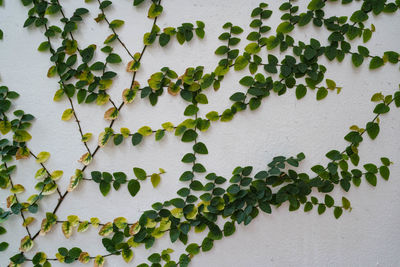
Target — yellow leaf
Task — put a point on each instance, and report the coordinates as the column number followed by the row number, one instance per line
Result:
column 86, row 137
column 58, row 95
column 102, row 99
column 52, row 71
column 49, row 189
column 28, row 221
column 67, row 114
column 120, row 222
column 84, row 257
column 11, row 199
column 105, row 136
column 168, row 126
column 56, row 175
column 17, row 189
column 192, row 214
column 5, row 127
column 75, row 179
column 132, row 66
column 125, row 132
column 42, row 157
column 106, row 229
column 95, row 222
column 177, row 213
column 59, row 257
column 26, row 244
column 165, row 224
column 134, row 229
column 21, row 136
column 41, row 174
column 128, row 95
column 73, row 219
column 155, row 179
column 111, row 114
column 99, row 261
column 127, row 255
column 86, row 159
column 83, row 226
column 145, row 131
column 105, row 84
column 66, row 228
column 22, row 153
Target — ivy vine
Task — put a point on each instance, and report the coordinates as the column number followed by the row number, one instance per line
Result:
column 277, row 63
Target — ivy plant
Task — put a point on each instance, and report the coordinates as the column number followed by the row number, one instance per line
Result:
column 277, row 63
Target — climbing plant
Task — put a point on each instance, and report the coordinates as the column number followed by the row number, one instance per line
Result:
column 277, row 63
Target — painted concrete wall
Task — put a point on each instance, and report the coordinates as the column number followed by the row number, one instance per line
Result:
column 368, row 236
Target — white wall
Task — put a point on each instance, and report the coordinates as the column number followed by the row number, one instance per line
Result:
column 368, row 236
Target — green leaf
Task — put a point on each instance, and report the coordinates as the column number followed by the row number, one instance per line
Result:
column 193, row 249
column 223, row 49
column 178, row 202
column 322, row 93
column 384, row 172
column 116, row 23
column 372, row 129
column 371, row 178
column 334, row 155
column 133, row 187
column 301, row 91
column 229, row 228
column 189, row 136
column 375, row 63
column 357, row 59
column 136, row 139
column 329, row 201
column 367, row 34
column 309, row 53
column 247, row 81
column 252, row 48
column 164, row 39
column 113, row 58
column 200, row 148
column 207, row 244
column 104, row 188
column 140, row 173
column 316, row 4
column 381, row 108
column 155, row 10
column 240, row 63
column 44, row 46
column 154, row 258
column 3, row 246
column 337, row 212
column 137, row 2
column 284, row 27
column 308, row 206
column 321, row 208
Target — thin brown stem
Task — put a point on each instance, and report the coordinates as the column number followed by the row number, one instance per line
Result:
column 16, row 199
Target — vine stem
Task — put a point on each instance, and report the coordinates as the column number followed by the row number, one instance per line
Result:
column 132, row 82
column 112, row 29
column 69, row 99
column 16, row 198
column 47, row 171
column 62, row 197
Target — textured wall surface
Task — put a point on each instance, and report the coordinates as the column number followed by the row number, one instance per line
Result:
column 367, row 236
